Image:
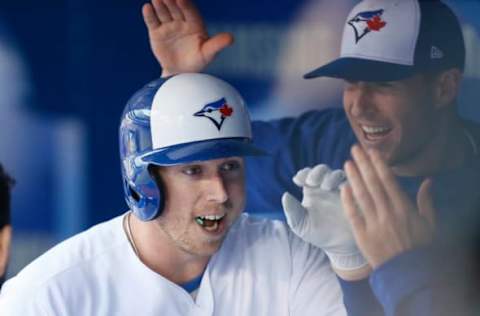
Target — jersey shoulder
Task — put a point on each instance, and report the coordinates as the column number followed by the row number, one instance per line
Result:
column 82, row 249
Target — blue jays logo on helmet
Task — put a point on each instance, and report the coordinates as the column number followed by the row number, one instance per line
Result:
column 366, row 22
column 216, row 112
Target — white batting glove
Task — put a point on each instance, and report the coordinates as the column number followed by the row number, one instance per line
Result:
column 320, row 219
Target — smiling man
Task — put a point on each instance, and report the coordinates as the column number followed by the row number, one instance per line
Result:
column 401, row 120
column 402, row 64
column 184, row 248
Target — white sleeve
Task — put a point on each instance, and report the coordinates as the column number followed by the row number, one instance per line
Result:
column 15, row 306
column 314, row 288
column 21, row 296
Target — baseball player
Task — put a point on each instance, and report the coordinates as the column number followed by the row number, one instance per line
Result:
column 184, row 248
column 5, row 228
column 402, row 62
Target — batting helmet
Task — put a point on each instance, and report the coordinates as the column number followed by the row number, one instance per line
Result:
column 186, row 118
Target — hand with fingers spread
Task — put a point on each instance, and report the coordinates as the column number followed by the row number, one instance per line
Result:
column 384, row 220
column 178, row 37
column 320, row 220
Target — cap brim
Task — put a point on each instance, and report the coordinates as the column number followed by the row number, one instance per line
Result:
column 362, row 70
column 202, row 151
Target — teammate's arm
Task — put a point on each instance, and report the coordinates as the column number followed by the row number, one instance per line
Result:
column 178, row 36
column 393, row 234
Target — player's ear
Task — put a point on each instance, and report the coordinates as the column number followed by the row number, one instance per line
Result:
column 5, row 239
column 446, row 86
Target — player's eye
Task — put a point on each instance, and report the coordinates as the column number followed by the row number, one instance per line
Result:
column 231, row 166
column 192, row 170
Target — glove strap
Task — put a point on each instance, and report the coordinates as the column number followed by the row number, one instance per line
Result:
column 347, row 262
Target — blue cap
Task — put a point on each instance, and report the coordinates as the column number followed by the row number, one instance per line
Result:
column 390, row 40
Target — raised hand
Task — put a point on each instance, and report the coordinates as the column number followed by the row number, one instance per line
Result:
column 320, row 220
column 384, row 220
column 178, row 37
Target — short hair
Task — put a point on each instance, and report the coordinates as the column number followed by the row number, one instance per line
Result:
column 6, row 183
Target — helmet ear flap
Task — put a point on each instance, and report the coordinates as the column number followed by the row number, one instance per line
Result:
column 141, row 193
column 145, row 197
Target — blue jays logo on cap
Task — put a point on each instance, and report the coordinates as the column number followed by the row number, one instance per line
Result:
column 216, row 112
column 365, row 22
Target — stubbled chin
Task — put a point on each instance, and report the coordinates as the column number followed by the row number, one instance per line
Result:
column 383, row 145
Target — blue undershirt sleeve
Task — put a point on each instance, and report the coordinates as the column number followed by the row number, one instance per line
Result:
column 294, row 143
column 359, row 299
column 418, row 283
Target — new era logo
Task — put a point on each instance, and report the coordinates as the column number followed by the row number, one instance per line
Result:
column 436, row 53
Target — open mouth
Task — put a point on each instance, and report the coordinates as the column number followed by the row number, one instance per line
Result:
column 375, row 133
column 210, row 223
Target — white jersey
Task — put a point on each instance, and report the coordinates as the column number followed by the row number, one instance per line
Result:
column 262, row 268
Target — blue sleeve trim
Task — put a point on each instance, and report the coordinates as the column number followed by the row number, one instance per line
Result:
column 401, row 277
column 314, row 137
column 359, row 299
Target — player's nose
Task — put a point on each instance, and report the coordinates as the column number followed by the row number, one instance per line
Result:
column 216, row 189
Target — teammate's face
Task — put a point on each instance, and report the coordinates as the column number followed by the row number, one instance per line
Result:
column 397, row 118
column 202, row 201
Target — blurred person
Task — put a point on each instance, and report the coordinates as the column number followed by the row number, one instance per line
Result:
column 184, row 248
column 290, row 94
column 5, row 228
column 396, row 234
column 402, row 64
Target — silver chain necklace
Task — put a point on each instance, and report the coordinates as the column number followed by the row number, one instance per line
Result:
column 128, row 230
